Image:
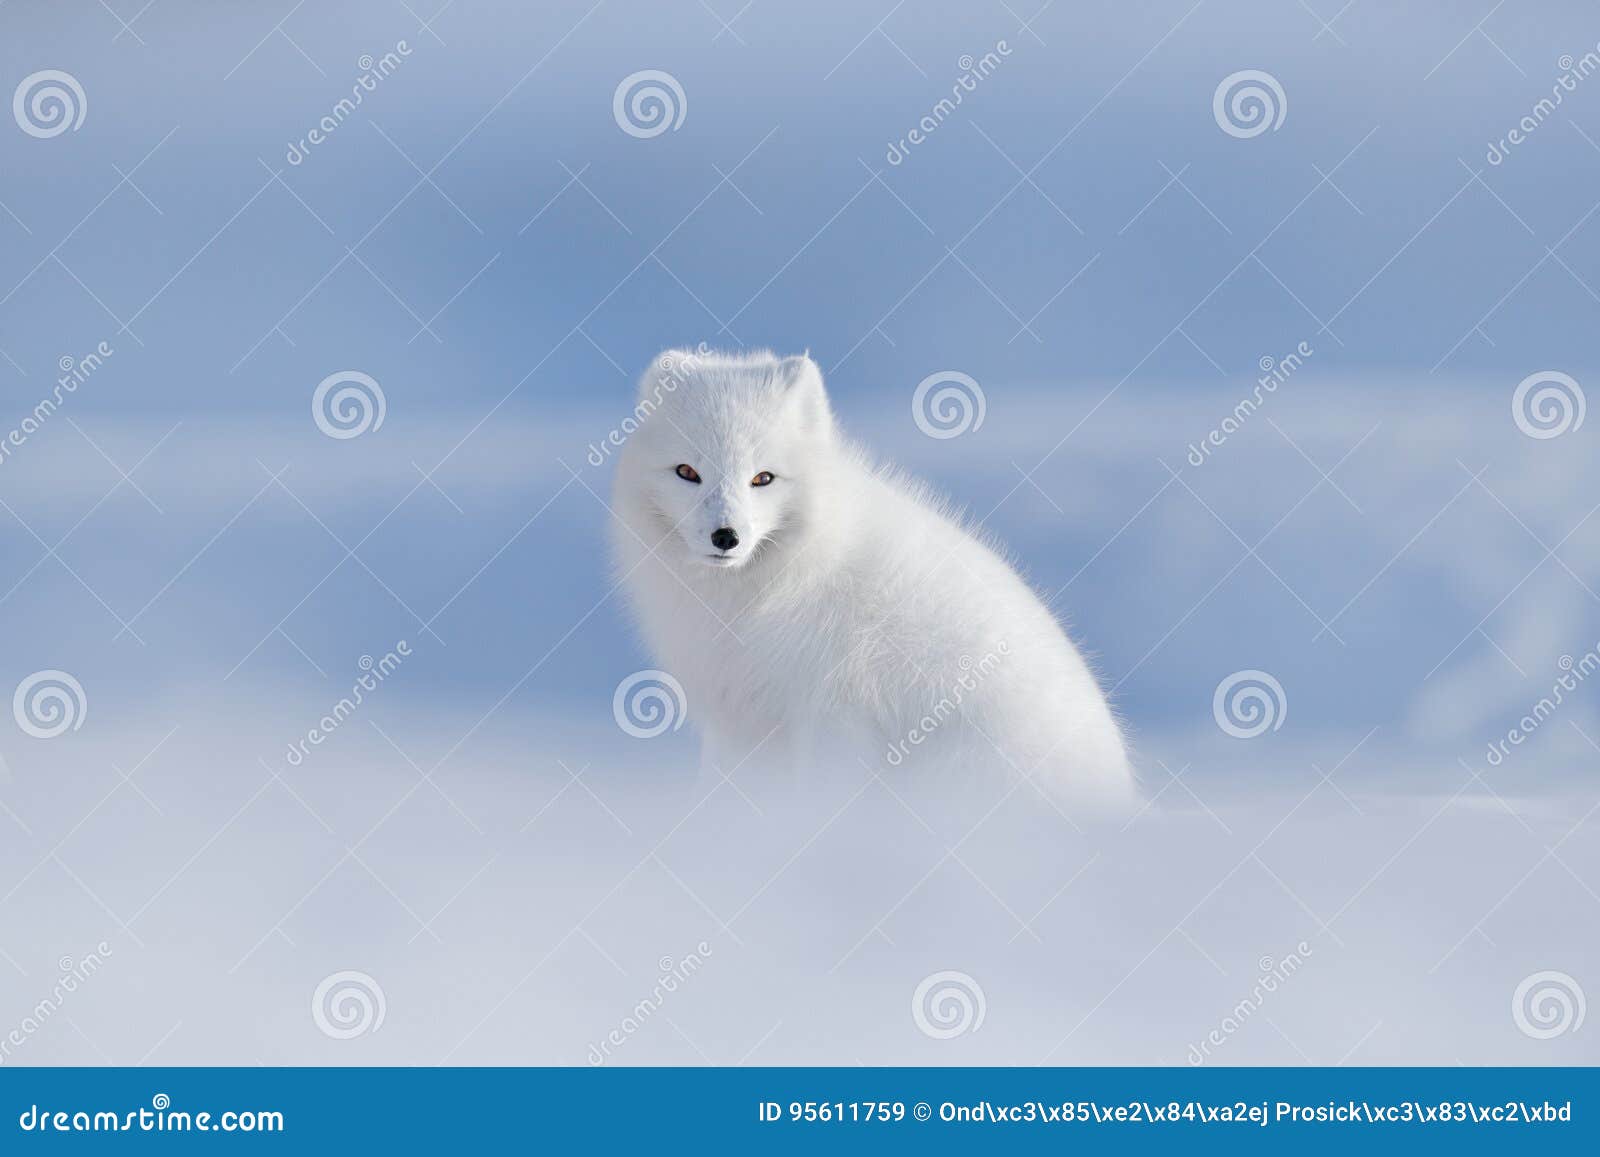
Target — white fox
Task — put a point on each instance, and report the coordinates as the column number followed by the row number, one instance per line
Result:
column 797, row 591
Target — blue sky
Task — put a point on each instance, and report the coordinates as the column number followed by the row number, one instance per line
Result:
column 1079, row 235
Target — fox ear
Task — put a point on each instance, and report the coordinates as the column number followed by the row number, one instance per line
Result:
column 667, row 371
column 801, row 381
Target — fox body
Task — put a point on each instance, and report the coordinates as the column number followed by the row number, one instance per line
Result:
column 799, row 592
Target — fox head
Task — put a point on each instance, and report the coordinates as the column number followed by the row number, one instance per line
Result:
column 729, row 458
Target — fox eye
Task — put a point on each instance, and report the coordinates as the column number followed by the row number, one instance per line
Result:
column 688, row 473
column 763, row 479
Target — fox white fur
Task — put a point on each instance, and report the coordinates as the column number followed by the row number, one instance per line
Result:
column 854, row 603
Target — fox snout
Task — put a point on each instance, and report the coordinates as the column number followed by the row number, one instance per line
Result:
column 725, row 519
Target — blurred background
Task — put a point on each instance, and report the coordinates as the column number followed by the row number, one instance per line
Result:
column 498, row 237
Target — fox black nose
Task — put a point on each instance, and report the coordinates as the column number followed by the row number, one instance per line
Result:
column 723, row 538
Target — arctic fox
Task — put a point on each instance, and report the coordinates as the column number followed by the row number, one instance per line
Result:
column 796, row 591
